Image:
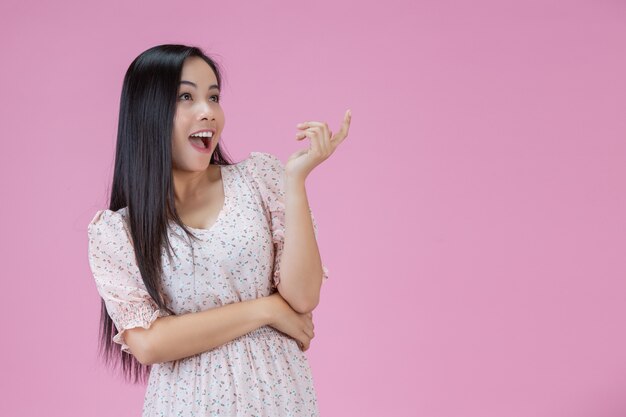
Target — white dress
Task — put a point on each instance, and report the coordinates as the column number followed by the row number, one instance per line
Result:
column 262, row 373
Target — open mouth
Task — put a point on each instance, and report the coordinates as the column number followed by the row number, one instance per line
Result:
column 200, row 142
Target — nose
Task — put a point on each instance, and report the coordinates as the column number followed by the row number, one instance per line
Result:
column 206, row 112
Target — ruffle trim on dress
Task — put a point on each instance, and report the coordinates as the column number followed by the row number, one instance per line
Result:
column 278, row 237
column 142, row 320
column 267, row 172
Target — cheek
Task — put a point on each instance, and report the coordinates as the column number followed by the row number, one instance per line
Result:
column 178, row 140
column 179, row 143
column 180, row 128
column 181, row 120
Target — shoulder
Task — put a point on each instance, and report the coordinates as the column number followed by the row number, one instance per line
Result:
column 108, row 224
column 265, row 169
column 266, row 173
column 260, row 163
column 107, row 217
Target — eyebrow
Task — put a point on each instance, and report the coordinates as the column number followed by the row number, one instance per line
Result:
column 195, row 86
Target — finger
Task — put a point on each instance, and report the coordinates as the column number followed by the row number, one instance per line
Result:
column 345, row 127
column 304, row 344
column 323, row 138
column 306, row 125
column 326, row 133
column 323, row 125
column 309, row 333
column 315, row 141
column 300, row 136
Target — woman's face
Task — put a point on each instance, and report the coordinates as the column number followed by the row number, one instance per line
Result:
column 197, row 108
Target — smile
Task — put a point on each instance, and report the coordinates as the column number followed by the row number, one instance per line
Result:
column 201, row 144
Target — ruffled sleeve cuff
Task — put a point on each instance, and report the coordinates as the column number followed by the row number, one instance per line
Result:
column 142, row 317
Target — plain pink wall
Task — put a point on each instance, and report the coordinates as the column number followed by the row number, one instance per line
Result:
column 473, row 221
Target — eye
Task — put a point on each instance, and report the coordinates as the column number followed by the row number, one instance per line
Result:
column 217, row 98
column 184, row 94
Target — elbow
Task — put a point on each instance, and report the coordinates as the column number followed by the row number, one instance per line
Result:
column 305, row 306
column 147, row 357
column 150, row 352
column 302, row 300
column 142, row 360
column 140, row 355
column 140, row 347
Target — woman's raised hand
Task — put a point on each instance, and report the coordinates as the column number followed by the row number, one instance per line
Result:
column 322, row 144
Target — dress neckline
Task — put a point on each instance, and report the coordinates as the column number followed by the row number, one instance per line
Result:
column 225, row 174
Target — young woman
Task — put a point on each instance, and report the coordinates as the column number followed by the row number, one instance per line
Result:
column 208, row 270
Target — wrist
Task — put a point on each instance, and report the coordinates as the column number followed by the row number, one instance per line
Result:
column 295, row 187
column 295, row 180
column 267, row 309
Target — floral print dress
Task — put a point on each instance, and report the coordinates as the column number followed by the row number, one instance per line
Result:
column 262, row 373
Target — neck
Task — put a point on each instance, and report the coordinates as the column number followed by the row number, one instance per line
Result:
column 189, row 185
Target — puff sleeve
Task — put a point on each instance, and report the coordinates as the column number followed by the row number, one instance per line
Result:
column 267, row 173
column 118, row 280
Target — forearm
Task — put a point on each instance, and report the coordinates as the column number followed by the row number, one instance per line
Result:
column 300, row 264
column 176, row 337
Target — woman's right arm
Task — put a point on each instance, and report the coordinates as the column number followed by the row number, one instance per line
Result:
column 153, row 336
column 178, row 336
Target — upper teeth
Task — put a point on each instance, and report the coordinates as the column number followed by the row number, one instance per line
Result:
column 203, row 135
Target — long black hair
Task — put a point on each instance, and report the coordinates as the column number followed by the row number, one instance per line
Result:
column 142, row 178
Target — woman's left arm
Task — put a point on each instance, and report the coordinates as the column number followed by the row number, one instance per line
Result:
column 300, row 265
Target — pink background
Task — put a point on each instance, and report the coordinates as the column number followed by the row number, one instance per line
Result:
column 473, row 221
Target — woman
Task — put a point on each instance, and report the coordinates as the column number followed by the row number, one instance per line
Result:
column 208, row 270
